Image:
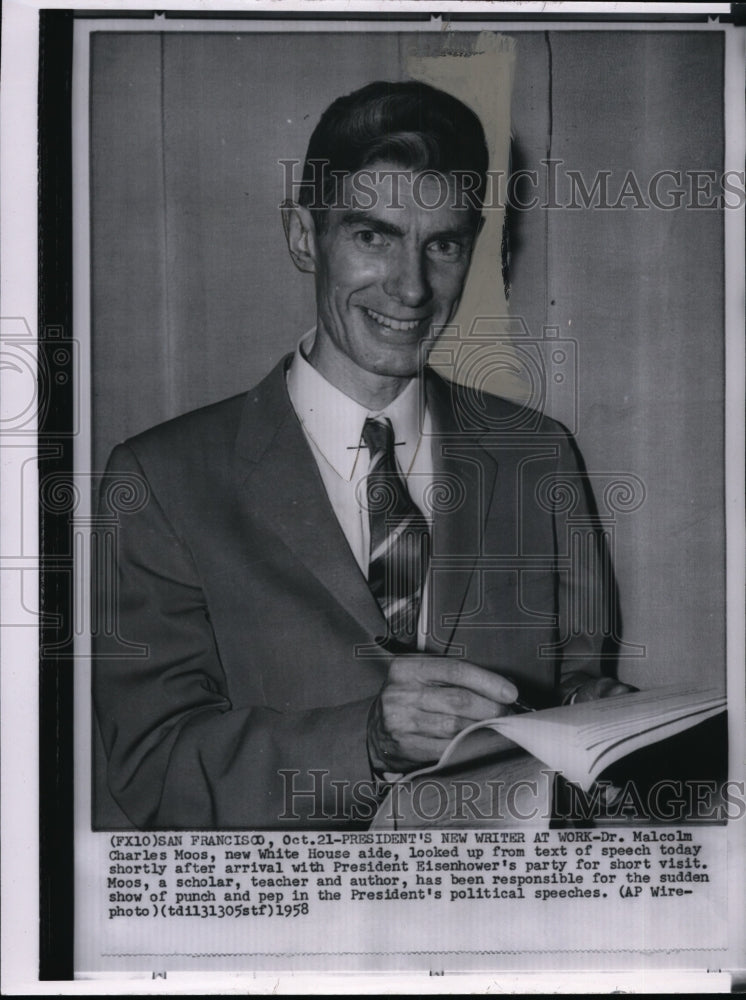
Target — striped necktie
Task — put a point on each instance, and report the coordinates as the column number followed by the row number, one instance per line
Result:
column 399, row 537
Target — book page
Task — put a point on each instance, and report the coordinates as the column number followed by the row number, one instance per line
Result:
column 582, row 740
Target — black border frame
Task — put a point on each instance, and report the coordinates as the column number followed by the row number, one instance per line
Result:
column 56, row 403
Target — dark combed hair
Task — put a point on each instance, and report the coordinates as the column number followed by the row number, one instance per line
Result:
column 410, row 124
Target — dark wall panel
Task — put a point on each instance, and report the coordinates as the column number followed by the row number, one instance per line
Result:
column 641, row 290
column 129, row 291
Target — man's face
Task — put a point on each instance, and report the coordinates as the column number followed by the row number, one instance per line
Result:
column 389, row 273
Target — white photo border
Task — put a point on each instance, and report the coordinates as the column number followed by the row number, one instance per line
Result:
column 20, row 754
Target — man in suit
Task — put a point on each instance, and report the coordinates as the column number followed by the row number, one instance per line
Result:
column 333, row 573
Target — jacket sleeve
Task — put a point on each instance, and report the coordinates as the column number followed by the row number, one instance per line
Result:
column 587, row 592
column 180, row 755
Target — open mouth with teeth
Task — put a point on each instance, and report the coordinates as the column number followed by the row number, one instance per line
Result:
column 398, row 325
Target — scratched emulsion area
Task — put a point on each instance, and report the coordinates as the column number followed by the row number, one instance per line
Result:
column 479, row 70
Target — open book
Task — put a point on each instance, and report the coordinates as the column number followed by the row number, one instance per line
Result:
column 582, row 740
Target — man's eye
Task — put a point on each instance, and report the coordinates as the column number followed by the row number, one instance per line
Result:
column 446, row 249
column 369, row 238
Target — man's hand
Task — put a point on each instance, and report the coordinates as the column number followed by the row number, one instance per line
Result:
column 579, row 687
column 425, row 702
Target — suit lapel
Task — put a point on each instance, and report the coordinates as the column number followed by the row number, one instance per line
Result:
column 467, row 472
column 281, row 484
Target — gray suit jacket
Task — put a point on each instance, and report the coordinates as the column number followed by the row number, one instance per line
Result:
column 248, row 648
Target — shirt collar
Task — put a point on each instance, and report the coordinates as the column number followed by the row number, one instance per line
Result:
column 334, row 421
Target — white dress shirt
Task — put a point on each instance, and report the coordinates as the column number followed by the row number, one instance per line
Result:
column 333, row 425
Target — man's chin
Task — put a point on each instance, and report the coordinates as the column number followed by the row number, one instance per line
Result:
column 403, row 370
column 410, row 360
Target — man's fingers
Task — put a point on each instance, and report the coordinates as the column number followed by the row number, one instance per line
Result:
column 458, row 673
column 427, row 748
column 601, row 687
column 617, row 689
column 425, row 702
column 437, row 726
column 458, row 702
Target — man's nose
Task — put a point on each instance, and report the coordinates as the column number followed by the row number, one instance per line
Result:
column 408, row 281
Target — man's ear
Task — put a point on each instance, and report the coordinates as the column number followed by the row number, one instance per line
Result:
column 300, row 232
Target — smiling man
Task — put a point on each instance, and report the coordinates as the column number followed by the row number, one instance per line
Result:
column 388, row 279
column 337, row 571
